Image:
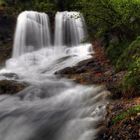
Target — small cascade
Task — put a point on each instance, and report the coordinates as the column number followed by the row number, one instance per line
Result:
column 32, row 32
column 70, row 29
column 59, row 39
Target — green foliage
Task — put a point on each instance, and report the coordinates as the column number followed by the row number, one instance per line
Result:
column 114, row 50
column 110, row 15
column 44, row 6
column 17, row 6
column 131, row 82
column 129, row 55
column 2, row 2
column 129, row 61
column 130, row 112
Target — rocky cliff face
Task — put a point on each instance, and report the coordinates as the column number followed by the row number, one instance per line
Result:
column 7, row 26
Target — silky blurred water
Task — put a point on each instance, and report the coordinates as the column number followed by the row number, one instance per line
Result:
column 51, row 107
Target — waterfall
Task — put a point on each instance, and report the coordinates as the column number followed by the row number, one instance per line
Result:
column 32, row 32
column 69, row 29
column 50, row 108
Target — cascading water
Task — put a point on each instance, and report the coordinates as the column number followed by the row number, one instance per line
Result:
column 32, row 32
column 51, row 108
column 69, row 29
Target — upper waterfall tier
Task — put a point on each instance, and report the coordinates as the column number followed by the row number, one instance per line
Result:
column 70, row 29
column 32, row 32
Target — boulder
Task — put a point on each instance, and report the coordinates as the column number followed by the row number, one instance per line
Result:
column 11, row 86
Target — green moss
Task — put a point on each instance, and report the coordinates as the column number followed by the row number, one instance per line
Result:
column 130, row 112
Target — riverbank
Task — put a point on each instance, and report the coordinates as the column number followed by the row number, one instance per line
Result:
column 123, row 113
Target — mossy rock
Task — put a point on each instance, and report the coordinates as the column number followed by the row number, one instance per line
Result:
column 11, row 87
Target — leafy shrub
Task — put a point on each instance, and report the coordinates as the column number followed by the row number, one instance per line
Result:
column 45, row 7
column 114, row 50
column 127, row 58
column 38, row 5
column 131, row 82
column 121, row 17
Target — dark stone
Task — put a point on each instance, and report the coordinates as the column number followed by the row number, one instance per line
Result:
column 81, row 67
column 11, row 86
column 5, row 52
column 67, row 70
column 7, row 27
column 10, row 75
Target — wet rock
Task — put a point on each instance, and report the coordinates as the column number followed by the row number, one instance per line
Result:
column 67, row 70
column 5, row 52
column 10, row 75
column 81, row 67
column 11, row 87
column 88, row 62
column 7, row 25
